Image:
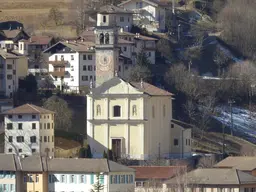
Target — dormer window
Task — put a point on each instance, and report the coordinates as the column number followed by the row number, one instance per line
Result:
column 104, row 19
column 117, row 111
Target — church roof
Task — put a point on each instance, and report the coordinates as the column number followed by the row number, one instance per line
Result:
column 112, row 9
column 143, row 87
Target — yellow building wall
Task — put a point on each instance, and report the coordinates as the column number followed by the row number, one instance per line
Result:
column 136, row 139
column 40, row 186
column 100, row 136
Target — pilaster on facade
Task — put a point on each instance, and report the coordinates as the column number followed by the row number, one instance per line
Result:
column 127, row 142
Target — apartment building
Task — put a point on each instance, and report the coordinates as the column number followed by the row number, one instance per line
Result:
column 29, row 129
column 42, row 174
column 33, row 48
column 72, row 64
column 13, row 66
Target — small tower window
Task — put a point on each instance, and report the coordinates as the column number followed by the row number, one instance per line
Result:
column 117, row 111
column 104, row 19
column 98, row 110
column 134, row 110
column 106, row 38
column 101, row 38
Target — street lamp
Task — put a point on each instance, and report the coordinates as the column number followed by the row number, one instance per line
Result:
column 231, row 102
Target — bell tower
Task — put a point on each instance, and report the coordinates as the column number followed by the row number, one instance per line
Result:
column 106, row 50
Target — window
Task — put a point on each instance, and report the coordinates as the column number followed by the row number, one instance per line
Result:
column 172, row 125
column 41, row 126
column 149, row 54
column 117, row 111
column 9, row 77
column 125, row 48
column 72, row 179
column 72, row 57
column 10, row 116
column 48, row 125
column 20, row 150
column 164, row 110
column 106, row 38
column 52, row 138
column 84, row 57
column 14, row 72
column 90, row 77
column 84, row 78
column 33, row 116
column 101, row 38
column 176, row 142
column 10, row 139
column 9, row 125
column 98, row 110
column 40, row 138
column 48, row 138
column 20, row 116
column 62, row 178
column 121, row 19
column 104, row 19
column 44, row 125
column 89, row 68
column 62, row 57
column 37, row 178
column 33, row 139
column 33, row 150
column 9, row 66
column 134, row 110
column 153, row 111
column 84, row 68
column 89, row 57
column 122, row 179
column 20, row 126
column 20, row 139
column 10, row 150
column 45, row 138
column 33, row 126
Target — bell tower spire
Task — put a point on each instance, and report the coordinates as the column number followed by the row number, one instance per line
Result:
column 106, row 49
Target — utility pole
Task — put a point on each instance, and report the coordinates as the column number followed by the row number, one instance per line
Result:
column 231, row 102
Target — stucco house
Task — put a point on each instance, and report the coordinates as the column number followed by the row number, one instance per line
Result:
column 29, row 129
column 213, row 180
column 148, row 13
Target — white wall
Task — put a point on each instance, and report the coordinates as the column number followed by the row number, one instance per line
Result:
column 88, row 64
column 26, row 132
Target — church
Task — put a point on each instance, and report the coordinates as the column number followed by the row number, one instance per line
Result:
column 133, row 119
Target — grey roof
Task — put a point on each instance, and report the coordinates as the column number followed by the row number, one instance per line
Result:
column 36, row 163
column 112, row 9
column 215, row 176
column 7, row 162
column 241, row 163
column 182, row 124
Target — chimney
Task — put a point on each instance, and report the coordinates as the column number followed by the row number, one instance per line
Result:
column 141, row 83
column 121, row 30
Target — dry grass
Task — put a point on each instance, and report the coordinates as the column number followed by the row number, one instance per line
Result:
column 33, row 14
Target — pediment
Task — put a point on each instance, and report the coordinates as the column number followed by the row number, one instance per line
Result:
column 116, row 85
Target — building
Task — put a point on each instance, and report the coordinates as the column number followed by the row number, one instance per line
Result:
column 242, row 163
column 33, row 48
column 7, row 173
column 29, row 129
column 153, row 177
column 9, row 38
column 213, row 179
column 150, row 14
column 132, row 119
column 37, row 173
column 123, row 17
column 146, row 45
column 72, row 64
column 13, row 66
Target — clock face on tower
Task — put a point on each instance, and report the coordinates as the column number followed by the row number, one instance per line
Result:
column 105, row 62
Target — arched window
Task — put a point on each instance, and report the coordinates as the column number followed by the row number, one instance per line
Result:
column 153, row 111
column 98, row 110
column 164, row 110
column 101, row 38
column 134, row 110
column 106, row 38
column 117, row 111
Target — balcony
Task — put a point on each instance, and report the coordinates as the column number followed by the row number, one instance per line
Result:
column 37, row 70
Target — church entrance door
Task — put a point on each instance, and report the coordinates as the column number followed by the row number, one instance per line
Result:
column 116, row 147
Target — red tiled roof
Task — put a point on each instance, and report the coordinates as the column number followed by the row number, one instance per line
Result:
column 156, row 172
column 28, row 109
column 151, row 89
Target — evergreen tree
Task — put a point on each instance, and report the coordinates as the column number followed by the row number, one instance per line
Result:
column 142, row 59
column 98, row 186
column 110, row 155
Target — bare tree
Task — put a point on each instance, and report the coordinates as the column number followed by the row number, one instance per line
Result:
column 207, row 162
column 220, row 59
column 237, row 21
column 63, row 115
column 55, row 15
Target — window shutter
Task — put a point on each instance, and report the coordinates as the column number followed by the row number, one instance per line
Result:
column 101, row 179
column 75, row 178
column 126, row 178
column 7, row 187
column 131, row 179
column 65, row 179
column 85, row 179
column 111, row 179
column 92, row 178
column 118, row 179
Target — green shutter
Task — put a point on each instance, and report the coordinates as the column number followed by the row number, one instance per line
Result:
column 118, row 179
column 101, row 179
column 126, row 178
column 111, row 179
column 92, row 178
